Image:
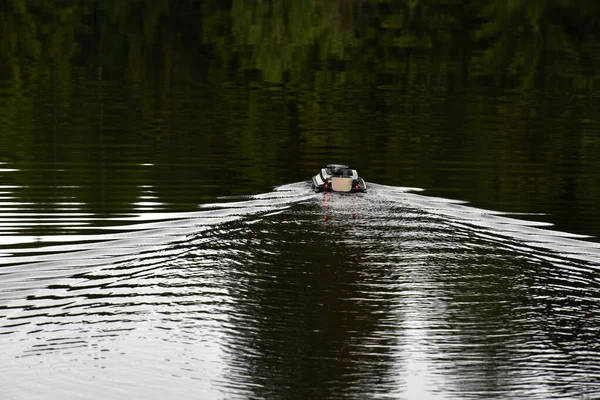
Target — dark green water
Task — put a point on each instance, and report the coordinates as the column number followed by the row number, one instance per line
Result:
column 159, row 237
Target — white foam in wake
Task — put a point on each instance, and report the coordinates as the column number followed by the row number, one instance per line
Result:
column 34, row 267
column 519, row 234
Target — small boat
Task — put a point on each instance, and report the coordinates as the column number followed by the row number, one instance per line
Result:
column 338, row 178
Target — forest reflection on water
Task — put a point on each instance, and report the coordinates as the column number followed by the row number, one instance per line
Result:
column 158, row 237
column 290, row 294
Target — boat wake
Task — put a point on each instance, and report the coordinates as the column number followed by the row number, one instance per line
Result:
column 402, row 288
column 25, row 267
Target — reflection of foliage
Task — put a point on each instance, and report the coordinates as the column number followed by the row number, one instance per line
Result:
column 321, row 70
column 523, row 38
column 34, row 30
column 285, row 40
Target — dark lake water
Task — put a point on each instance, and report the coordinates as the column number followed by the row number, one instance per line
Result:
column 159, row 237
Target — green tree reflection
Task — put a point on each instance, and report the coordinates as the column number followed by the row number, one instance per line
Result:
column 260, row 80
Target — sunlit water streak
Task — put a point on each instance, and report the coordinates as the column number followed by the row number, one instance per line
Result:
column 291, row 294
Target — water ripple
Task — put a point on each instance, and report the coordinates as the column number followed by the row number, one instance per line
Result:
column 288, row 294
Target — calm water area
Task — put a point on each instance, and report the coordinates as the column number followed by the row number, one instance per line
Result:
column 159, row 238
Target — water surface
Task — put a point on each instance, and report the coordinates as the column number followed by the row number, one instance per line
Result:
column 159, row 237
column 300, row 295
